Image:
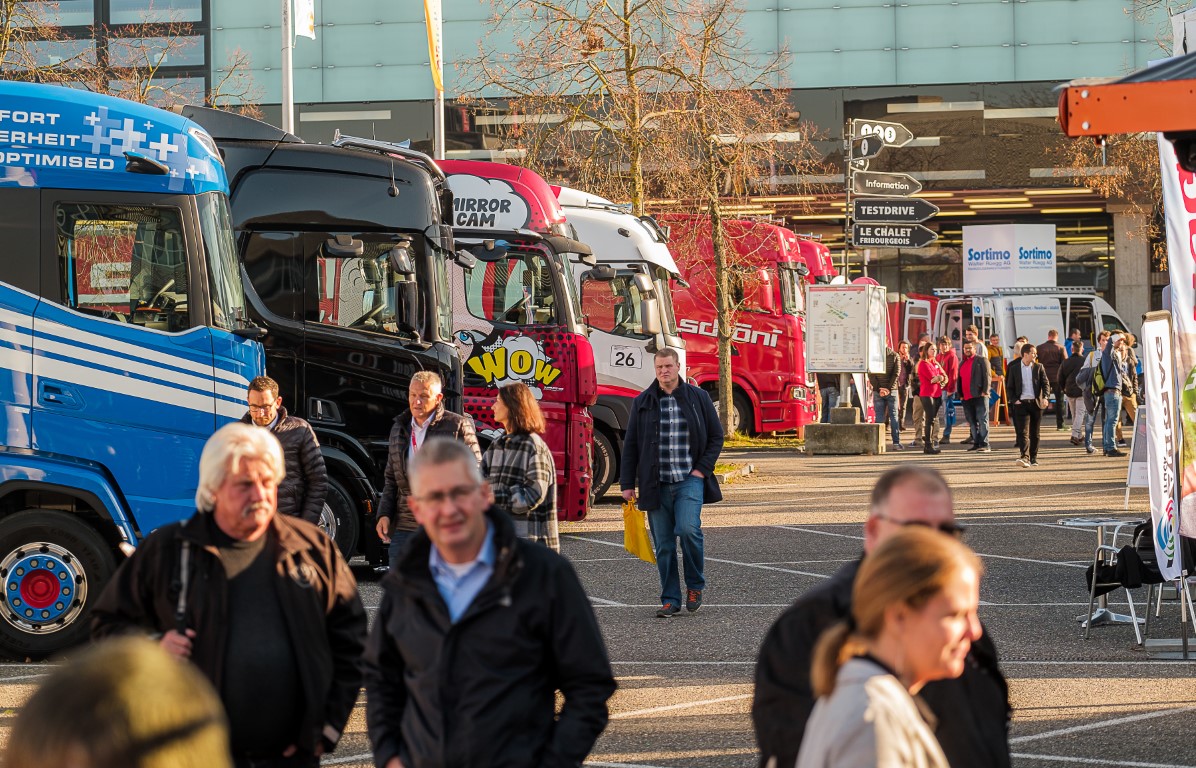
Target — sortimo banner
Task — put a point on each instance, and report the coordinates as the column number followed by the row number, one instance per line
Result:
column 1008, row 256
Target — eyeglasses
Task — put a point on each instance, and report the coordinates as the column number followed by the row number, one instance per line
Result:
column 261, row 407
column 951, row 529
column 457, row 494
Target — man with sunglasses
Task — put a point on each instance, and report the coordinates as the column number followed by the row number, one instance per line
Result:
column 476, row 630
column 972, row 711
column 301, row 492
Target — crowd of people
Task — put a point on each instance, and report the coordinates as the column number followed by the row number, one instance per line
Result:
column 921, row 388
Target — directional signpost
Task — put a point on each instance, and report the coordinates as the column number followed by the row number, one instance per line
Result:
column 884, row 218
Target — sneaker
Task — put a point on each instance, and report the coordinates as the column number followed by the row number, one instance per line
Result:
column 898, row 447
column 1114, row 453
column 916, row 443
column 984, row 449
column 693, row 600
column 1077, row 441
column 966, row 441
column 667, row 610
column 1060, row 429
column 1122, row 444
column 931, row 449
column 1034, row 462
column 1023, row 462
column 945, row 441
column 1090, row 449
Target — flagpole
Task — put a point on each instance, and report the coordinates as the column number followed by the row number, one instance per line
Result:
column 434, row 18
column 288, row 71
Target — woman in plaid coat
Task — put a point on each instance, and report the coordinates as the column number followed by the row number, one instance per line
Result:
column 520, row 468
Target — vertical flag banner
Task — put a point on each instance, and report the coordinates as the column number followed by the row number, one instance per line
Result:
column 1162, row 440
column 435, row 22
column 305, row 18
column 1179, row 202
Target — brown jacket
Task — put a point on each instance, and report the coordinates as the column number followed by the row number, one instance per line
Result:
column 397, row 488
column 1051, row 354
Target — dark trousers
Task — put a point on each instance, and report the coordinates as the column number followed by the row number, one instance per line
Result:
column 930, row 406
column 1060, row 408
column 298, row 760
column 1027, row 420
column 975, row 410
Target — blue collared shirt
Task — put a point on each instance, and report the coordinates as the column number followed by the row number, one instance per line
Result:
column 459, row 591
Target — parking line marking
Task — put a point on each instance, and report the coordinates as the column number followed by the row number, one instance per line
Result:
column 621, row 765
column 1092, row 761
column 604, row 603
column 717, row 560
column 1102, row 724
column 682, row 705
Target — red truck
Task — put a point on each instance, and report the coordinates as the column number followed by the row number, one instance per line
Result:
column 516, row 315
column 771, row 389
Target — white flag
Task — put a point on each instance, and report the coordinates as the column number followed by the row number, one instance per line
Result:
column 1163, row 436
column 435, row 23
column 305, row 18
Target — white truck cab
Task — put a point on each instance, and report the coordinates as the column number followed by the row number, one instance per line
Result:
column 1013, row 312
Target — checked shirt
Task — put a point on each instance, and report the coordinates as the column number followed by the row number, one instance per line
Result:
column 522, row 473
column 675, row 463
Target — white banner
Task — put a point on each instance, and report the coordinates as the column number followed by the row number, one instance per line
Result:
column 1179, row 203
column 434, row 20
column 305, row 18
column 1162, row 441
column 1008, row 256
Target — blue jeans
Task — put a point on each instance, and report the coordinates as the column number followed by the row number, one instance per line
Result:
column 975, row 410
column 1112, row 400
column 948, row 414
column 397, row 540
column 885, row 410
column 830, row 398
column 679, row 517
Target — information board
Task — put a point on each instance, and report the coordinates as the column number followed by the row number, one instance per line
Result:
column 846, row 327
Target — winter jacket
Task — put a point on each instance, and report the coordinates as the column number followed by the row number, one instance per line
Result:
column 972, row 710
column 889, row 379
column 1112, row 367
column 928, row 370
column 869, row 720
column 1051, row 354
column 1013, row 381
column 950, row 365
column 1071, row 366
column 315, row 589
column 522, row 475
column 481, row 691
column 640, row 466
column 397, row 487
column 981, row 379
column 301, row 492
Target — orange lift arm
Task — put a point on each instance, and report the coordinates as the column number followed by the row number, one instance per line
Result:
column 1157, row 99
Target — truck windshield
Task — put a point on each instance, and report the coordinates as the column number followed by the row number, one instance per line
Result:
column 516, row 285
column 668, row 320
column 614, row 306
column 228, row 296
column 792, row 301
column 363, row 291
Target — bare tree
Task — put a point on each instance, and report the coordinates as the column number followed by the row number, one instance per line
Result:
column 33, row 47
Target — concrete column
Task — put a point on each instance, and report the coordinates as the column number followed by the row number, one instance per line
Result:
column 1131, row 267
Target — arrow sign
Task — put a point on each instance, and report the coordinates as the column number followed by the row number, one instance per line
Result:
column 896, row 210
column 884, row 184
column 891, row 236
column 866, row 147
column 892, row 134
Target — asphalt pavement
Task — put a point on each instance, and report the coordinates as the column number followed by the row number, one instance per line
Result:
column 685, row 683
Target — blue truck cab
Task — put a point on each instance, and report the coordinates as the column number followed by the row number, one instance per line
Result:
column 123, row 343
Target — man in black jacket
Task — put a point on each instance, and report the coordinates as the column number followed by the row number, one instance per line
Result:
column 301, row 493
column 884, row 396
column 476, row 631
column 262, row 604
column 972, row 710
column 975, row 380
column 673, row 440
column 424, row 418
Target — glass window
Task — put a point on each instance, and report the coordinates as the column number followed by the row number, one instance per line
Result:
column 73, row 54
column 358, row 291
column 272, row 261
column 792, row 299
column 154, row 11
column 228, row 295
column 613, row 306
column 515, row 288
column 665, row 294
column 63, row 13
column 157, row 51
column 124, row 263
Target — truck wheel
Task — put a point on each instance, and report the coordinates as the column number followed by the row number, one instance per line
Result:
column 53, row 567
column 743, row 413
column 339, row 520
column 606, row 465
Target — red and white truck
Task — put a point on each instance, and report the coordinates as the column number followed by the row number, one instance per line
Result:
column 771, row 391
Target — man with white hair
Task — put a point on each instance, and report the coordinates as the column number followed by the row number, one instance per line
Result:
column 262, row 603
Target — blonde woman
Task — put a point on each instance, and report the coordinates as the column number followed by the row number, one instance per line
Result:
column 913, row 620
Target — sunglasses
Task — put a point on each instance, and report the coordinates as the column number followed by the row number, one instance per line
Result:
column 951, row 529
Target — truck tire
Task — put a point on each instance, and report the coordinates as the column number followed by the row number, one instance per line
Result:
column 53, row 567
column 339, row 520
column 606, row 465
column 741, row 420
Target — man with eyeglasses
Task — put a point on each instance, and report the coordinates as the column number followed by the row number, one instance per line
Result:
column 476, row 630
column 972, row 711
column 301, row 492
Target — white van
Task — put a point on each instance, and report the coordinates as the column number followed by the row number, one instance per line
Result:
column 1010, row 313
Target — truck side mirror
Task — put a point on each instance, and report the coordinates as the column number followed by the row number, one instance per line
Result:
column 644, row 284
column 589, row 259
column 603, row 272
column 764, row 299
column 400, row 259
column 464, row 259
column 650, row 314
column 408, row 316
column 344, row 246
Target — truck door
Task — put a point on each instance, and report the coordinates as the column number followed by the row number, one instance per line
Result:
column 122, row 375
column 1033, row 316
column 917, row 319
column 1080, row 315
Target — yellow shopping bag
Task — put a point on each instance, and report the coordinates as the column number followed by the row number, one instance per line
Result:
column 635, row 533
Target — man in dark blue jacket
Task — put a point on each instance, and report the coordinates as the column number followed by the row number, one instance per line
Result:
column 673, row 440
